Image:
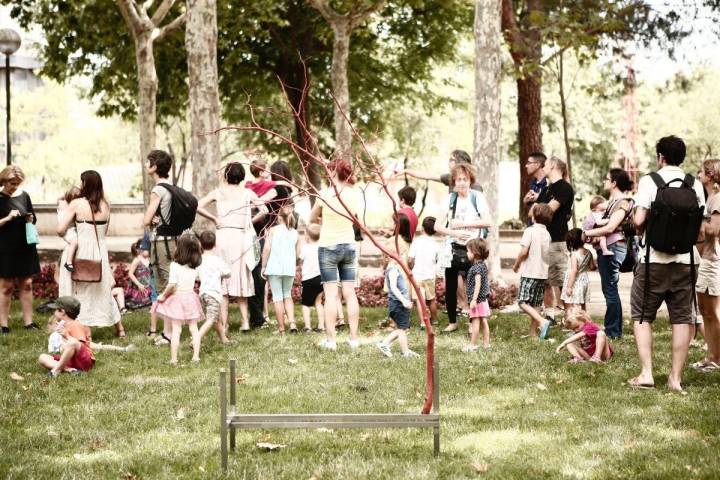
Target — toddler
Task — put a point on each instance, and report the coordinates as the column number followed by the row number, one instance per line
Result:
column 179, row 304
column 399, row 305
column 140, row 291
column 596, row 218
column 478, row 289
column 589, row 341
column 532, row 263
column 212, row 271
column 71, row 234
column 279, row 259
column 312, row 289
column 422, row 258
column 575, row 284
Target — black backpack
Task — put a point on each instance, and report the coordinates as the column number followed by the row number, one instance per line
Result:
column 673, row 224
column 183, row 208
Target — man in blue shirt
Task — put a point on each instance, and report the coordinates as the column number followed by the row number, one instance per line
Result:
column 538, row 183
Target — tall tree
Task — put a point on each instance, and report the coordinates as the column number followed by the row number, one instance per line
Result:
column 486, row 145
column 204, row 99
column 145, row 30
column 342, row 25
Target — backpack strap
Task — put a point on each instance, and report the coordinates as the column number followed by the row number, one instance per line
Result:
column 158, row 212
column 689, row 181
column 658, row 180
column 453, row 207
column 646, row 286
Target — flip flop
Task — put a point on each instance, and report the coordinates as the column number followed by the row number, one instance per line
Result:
column 710, row 367
column 635, row 383
column 161, row 340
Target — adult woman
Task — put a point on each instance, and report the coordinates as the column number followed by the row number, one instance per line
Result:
column 465, row 218
column 91, row 214
column 337, row 250
column 619, row 211
column 18, row 260
column 708, row 275
column 235, row 234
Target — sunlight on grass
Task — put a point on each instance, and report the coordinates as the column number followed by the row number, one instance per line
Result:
column 498, row 443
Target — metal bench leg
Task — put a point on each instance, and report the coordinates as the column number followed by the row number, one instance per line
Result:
column 223, row 422
column 233, row 406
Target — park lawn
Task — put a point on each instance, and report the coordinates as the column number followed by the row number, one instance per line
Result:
column 515, row 411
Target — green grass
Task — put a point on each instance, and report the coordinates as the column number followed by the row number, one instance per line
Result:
column 516, row 411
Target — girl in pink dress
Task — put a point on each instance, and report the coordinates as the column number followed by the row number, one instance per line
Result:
column 179, row 304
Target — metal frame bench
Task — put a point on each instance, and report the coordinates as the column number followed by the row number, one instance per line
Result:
column 231, row 420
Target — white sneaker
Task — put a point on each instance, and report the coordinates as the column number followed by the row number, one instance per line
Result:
column 410, row 354
column 470, row 348
column 353, row 344
column 385, row 349
column 326, row 344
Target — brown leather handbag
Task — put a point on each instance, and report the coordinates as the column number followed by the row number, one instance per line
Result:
column 88, row 270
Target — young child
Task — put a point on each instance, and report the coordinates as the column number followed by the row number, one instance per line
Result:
column 422, row 258
column 140, row 291
column 179, row 304
column 478, row 289
column 71, row 234
column 532, row 262
column 406, row 200
column 575, row 285
column 589, row 341
column 70, row 340
column 596, row 218
column 279, row 259
column 399, row 306
column 312, row 289
column 212, row 271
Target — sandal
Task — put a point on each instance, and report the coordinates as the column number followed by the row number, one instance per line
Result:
column 293, row 328
column 162, row 340
column 636, row 383
column 150, row 333
column 710, row 367
column 700, row 365
column 307, row 330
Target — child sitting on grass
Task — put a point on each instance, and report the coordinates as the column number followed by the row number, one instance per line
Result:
column 478, row 289
column 532, row 263
column 589, row 341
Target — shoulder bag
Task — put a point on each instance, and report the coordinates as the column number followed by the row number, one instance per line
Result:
column 87, row 270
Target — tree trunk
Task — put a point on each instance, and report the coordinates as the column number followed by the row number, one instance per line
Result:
column 488, row 69
column 339, row 78
column 204, row 98
column 529, row 113
column 147, row 91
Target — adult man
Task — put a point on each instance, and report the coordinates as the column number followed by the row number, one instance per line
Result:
column 670, row 275
column 560, row 196
column 158, row 166
column 457, row 156
column 538, row 181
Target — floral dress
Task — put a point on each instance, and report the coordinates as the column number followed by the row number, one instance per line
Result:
column 134, row 298
column 580, row 294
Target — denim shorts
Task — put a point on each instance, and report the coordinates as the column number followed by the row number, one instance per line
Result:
column 399, row 314
column 337, row 263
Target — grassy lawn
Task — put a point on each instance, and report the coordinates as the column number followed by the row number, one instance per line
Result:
column 516, row 411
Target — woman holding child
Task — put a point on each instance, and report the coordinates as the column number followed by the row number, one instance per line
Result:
column 619, row 211
column 465, row 218
column 90, row 213
column 235, row 234
column 708, row 275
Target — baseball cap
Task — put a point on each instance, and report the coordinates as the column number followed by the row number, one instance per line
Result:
column 71, row 305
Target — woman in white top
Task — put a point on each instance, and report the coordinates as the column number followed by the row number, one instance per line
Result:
column 337, row 250
column 235, row 234
column 466, row 217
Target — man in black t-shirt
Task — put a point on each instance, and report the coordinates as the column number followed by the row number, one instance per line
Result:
column 560, row 196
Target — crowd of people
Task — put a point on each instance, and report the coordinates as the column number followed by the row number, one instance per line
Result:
column 254, row 240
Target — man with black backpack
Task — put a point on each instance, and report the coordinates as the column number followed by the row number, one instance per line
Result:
column 170, row 212
column 668, row 209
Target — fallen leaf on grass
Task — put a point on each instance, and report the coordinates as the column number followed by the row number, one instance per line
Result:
column 691, row 433
column 241, row 378
column 479, row 467
column 559, row 381
column 540, row 386
column 77, row 456
column 269, row 446
column 292, row 361
column 180, row 414
column 16, row 377
column 324, row 430
column 418, row 393
column 201, row 468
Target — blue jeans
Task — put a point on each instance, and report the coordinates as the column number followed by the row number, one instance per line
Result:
column 609, row 268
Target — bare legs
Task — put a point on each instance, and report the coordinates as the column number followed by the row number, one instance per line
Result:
column 25, row 293
column 475, row 331
column 536, row 320
column 175, row 341
column 681, row 336
column 710, row 309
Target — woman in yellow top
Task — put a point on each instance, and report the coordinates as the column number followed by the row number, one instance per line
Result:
column 337, row 250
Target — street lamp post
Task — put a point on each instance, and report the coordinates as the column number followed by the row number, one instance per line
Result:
column 9, row 44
